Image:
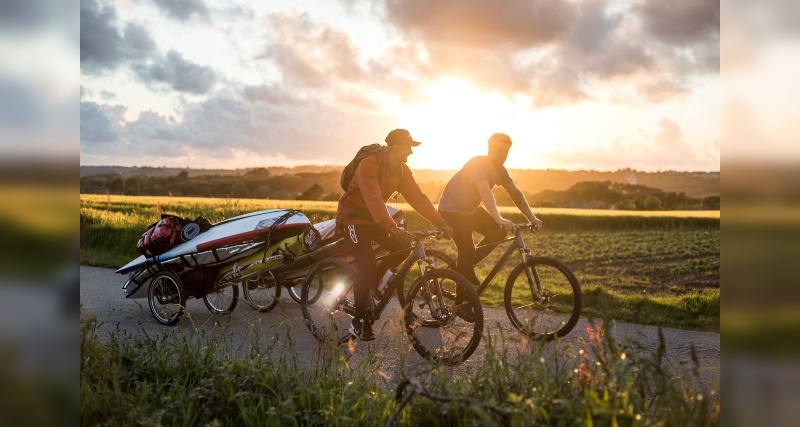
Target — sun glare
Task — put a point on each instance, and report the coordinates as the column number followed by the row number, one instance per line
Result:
column 454, row 124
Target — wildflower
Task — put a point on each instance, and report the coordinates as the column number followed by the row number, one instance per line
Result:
column 595, row 333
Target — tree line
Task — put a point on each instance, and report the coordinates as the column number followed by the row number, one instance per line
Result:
column 259, row 183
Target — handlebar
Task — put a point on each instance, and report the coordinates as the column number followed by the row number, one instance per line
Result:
column 437, row 233
column 526, row 226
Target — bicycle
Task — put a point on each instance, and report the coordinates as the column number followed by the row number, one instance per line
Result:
column 431, row 316
column 537, row 291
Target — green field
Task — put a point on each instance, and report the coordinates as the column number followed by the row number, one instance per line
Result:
column 657, row 268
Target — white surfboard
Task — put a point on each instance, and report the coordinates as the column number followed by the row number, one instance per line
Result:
column 231, row 231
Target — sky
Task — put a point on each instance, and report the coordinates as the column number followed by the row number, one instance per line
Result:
column 586, row 84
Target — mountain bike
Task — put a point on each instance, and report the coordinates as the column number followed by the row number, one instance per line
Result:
column 542, row 296
column 431, row 316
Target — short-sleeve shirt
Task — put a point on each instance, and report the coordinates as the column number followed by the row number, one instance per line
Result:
column 460, row 195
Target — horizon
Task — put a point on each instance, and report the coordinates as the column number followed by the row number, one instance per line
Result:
column 413, row 169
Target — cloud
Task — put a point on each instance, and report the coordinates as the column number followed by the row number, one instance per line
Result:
column 96, row 126
column 103, row 47
column 183, row 9
column 252, row 122
column 681, row 22
column 481, row 24
column 661, row 148
column 669, row 141
column 153, row 126
column 559, row 52
column 178, row 73
column 309, row 55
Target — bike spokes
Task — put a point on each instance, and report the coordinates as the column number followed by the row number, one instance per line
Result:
column 542, row 299
column 433, row 321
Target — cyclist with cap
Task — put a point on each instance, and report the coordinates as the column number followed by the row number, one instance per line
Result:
column 362, row 218
column 466, row 191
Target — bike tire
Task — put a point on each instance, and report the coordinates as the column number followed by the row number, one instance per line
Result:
column 326, row 299
column 294, row 291
column 439, row 333
column 167, row 298
column 261, row 292
column 219, row 303
column 440, row 260
column 555, row 311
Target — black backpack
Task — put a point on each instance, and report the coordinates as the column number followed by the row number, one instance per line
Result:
column 350, row 169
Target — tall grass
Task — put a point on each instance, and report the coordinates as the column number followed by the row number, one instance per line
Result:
column 195, row 377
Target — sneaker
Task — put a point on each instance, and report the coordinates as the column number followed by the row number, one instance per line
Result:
column 464, row 311
column 361, row 330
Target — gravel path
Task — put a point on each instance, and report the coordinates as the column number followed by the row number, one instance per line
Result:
column 102, row 296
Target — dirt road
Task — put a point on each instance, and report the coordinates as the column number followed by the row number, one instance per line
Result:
column 102, row 297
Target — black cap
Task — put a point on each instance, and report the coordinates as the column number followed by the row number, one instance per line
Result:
column 400, row 137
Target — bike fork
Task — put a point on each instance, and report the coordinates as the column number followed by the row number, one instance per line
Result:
column 534, row 282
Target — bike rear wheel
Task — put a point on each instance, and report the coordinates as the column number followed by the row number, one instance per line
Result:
column 326, row 299
column 434, row 324
column 543, row 299
column 222, row 301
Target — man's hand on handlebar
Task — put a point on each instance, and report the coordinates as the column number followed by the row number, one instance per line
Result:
column 446, row 229
column 401, row 235
column 537, row 224
column 506, row 224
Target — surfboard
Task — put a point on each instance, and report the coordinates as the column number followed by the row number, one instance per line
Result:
column 231, row 231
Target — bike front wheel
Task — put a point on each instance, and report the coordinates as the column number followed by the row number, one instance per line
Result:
column 444, row 317
column 222, row 301
column 326, row 299
column 543, row 299
column 440, row 260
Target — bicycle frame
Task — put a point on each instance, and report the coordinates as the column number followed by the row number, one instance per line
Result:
column 417, row 256
column 525, row 253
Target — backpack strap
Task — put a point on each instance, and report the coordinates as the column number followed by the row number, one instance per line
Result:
column 382, row 158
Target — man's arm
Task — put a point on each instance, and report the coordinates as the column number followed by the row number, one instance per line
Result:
column 522, row 204
column 491, row 206
column 417, row 199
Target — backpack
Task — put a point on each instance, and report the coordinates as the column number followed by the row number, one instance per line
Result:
column 161, row 236
column 350, row 169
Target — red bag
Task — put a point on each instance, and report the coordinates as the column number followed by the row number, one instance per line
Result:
column 160, row 236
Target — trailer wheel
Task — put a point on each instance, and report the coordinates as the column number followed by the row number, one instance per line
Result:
column 167, row 297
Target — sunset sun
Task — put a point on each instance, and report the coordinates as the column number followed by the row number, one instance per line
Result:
column 453, row 123
column 457, row 119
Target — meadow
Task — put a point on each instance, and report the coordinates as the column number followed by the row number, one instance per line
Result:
column 658, row 268
column 186, row 378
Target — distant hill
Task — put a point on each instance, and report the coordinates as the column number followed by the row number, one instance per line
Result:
column 532, row 182
column 128, row 171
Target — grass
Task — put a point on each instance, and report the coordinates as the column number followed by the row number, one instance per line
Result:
column 195, row 377
column 667, row 278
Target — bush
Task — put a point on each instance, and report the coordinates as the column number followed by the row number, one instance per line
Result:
column 626, row 205
column 652, row 203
